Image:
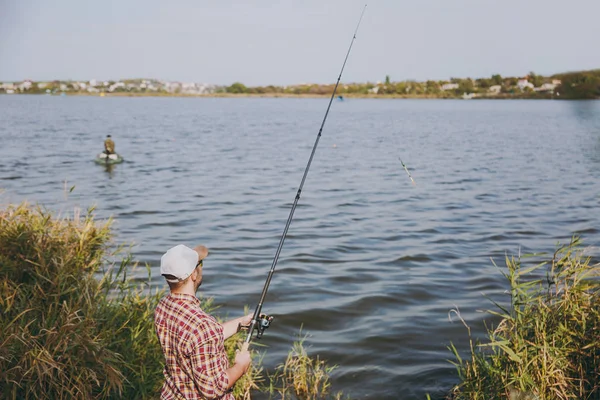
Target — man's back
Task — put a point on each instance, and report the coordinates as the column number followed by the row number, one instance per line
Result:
column 109, row 146
column 193, row 344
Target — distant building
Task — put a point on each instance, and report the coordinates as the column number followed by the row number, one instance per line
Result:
column 546, row 87
column 523, row 83
column 449, row 86
column 25, row 85
column 495, row 89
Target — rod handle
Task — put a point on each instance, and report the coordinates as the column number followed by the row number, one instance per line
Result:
column 245, row 346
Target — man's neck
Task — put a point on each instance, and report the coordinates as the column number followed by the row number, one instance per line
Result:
column 184, row 290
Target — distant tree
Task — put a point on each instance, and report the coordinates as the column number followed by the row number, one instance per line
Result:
column 237, row 88
column 465, row 86
column 402, row 88
column 387, row 79
column 536, row 80
column 417, row 87
column 497, row 79
column 273, row 89
column 484, row 83
column 580, row 85
column 432, row 87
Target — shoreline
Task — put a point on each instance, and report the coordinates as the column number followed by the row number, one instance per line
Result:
column 546, row 96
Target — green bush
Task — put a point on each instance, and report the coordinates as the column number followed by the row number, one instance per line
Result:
column 51, row 344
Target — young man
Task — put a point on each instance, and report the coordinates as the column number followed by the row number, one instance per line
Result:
column 196, row 364
column 109, row 146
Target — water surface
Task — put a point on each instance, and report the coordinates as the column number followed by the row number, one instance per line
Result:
column 372, row 265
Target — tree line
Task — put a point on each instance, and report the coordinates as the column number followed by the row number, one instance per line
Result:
column 573, row 85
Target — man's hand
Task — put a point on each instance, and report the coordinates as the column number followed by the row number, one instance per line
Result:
column 246, row 319
column 242, row 357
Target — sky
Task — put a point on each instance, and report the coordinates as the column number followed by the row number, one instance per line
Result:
column 286, row 42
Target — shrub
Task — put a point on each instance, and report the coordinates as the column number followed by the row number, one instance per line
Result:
column 51, row 346
column 547, row 344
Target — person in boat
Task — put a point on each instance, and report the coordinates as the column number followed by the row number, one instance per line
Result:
column 109, row 146
column 192, row 341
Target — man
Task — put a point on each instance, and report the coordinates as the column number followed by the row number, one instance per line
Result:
column 196, row 363
column 109, row 146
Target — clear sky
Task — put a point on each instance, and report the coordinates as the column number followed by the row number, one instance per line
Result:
column 261, row 42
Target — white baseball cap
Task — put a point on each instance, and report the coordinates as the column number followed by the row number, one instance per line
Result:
column 180, row 261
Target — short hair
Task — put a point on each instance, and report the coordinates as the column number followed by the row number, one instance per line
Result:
column 176, row 285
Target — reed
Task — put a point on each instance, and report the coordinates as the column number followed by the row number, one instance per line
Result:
column 302, row 377
column 51, row 346
column 547, row 343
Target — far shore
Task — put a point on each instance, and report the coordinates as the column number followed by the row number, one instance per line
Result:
column 501, row 96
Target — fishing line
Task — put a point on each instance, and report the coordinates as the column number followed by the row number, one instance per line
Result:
column 261, row 322
column 401, row 162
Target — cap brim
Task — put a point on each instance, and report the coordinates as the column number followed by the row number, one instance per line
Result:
column 202, row 252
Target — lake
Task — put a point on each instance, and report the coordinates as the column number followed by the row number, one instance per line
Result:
column 372, row 265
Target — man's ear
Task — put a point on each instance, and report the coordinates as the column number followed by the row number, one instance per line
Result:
column 195, row 275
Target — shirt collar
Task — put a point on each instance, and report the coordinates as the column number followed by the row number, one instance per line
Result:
column 184, row 296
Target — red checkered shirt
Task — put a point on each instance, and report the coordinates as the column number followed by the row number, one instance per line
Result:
column 195, row 356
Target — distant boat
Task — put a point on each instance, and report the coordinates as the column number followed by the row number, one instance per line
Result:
column 341, row 98
column 110, row 159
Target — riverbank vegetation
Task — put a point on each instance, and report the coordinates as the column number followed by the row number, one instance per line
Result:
column 76, row 321
column 74, row 324
column 570, row 85
column 547, row 343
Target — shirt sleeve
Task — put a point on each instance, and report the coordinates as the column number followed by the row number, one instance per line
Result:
column 207, row 366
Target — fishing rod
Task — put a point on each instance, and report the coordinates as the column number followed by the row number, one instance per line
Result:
column 261, row 322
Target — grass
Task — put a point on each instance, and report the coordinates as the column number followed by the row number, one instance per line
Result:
column 547, row 343
column 301, row 376
column 74, row 325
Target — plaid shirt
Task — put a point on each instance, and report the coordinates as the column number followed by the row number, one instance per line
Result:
column 195, row 356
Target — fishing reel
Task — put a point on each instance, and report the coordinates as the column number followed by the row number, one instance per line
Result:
column 262, row 323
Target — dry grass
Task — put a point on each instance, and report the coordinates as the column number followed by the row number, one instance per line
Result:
column 302, row 377
column 51, row 346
